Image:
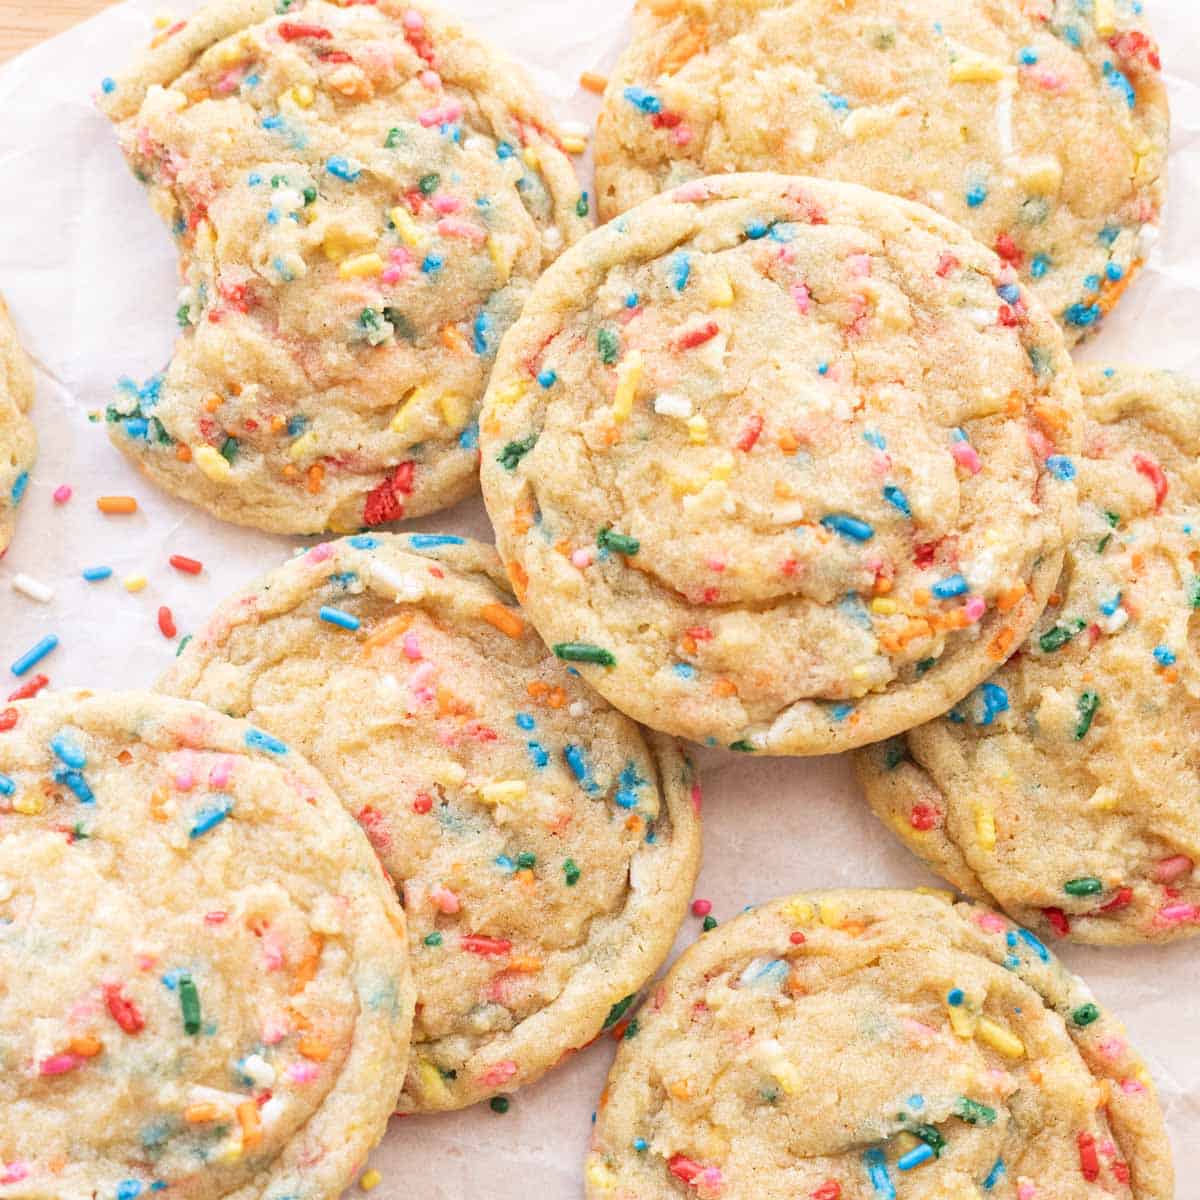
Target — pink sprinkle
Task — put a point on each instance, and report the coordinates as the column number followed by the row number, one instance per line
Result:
column 690, row 193
column 1132, row 1087
column 392, row 275
column 146, row 962
column 1049, row 81
column 320, row 553
column 218, row 777
column 58, row 1064
column 501, row 1073
column 1041, row 445
column 697, row 798
column 715, row 564
column 967, row 457
column 701, row 908
column 228, row 82
column 1112, row 1048
column 413, row 20
column 62, row 494
column 431, row 79
column 272, row 951
column 581, row 558
column 881, row 463
column 859, row 265
column 444, row 899
column 457, row 228
column 15, row 1172
column 412, row 647
column 1176, row 914
column 1026, row 1190
column 802, row 298
column 1168, row 870
column 444, row 114
column 682, row 135
column 185, row 776
column 275, row 1029
column 302, row 1072
column 446, row 204
column 990, row 922
column 974, row 608
column 216, row 917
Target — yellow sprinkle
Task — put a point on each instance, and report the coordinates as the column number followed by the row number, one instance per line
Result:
column 697, row 428
column 361, row 267
column 936, row 893
column 723, row 469
column 719, row 292
column 409, row 404
column 410, row 232
column 340, row 243
column 599, row 1177
column 884, row 606
column 431, row 1082
column 860, row 671
column 505, row 791
column 1000, row 1039
column 961, row 1021
column 985, row 825
column 214, row 465
column 134, row 583
column 456, row 409
column 975, row 68
column 301, row 96
column 1106, row 18
column 799, row 912
column 501, row 257
column 510, row 393
column 1104, row 799
column 574, row 145
column 27, row 804
column 370, row 1179
column 1040, row 175
column 530, row 155
column 629, row 374
column 786, row 1075
column 833, row 913
column 303, row 446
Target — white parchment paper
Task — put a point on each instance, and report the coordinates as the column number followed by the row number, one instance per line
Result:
column 90, row 276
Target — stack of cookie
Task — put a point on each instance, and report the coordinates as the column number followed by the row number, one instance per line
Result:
column 790, row 457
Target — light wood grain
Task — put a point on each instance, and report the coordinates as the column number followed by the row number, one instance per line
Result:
column 24, row 23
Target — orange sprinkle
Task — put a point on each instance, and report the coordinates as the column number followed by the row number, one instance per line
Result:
column 316, row 478
column 213, row 403
column 158, row 806
column 591, row 82
column 124, row 758
column 680, row 1090
column 289, row 472
column 689, row 644
column 278, row 424
column 1171, row 674
column 196, row 1114
column 537, row 689
column 503, row 619
column 247, row 1115
column 389, row 631
column 314, row 1048
column 557, row 698
column 1010, row 598
column 788, row 442
column 525, row 964
column 883, row 585
column 117, row 505
column 921, row 597
column 519, row 578
column 725, row 687
column 183, row 453
column 85, row 1046
column 452, row 338
column 693, row 42
column 999, row 645
column 306, row 969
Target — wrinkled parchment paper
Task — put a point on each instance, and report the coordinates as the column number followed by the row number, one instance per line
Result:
column 90, row 276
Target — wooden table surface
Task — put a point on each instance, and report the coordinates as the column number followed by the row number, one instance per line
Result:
column 24, row 23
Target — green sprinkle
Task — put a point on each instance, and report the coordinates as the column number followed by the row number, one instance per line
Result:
column 515, row 451
column 709, row 923
column 581, row 206
column 931, row 1136
column 310, row 195
column 1086, row 885
column 429, row 183
column 895, row 753
column 632, row 1030
column 400, row 323
column 1088, row 703
column 571, row 872
column 183, row 314
column 1085, row 1014
column 1060, row 635
column 499, row 1104
column 609, row 345
column 432, row 939
column 368, row 319
column 619, row 543
column 394, row 138
column 229, row 450
column 189, row 1002
column 183, row 641
column 585, row 652
column 618, row 1010
column 925, row 664
column 973, row 1112
column 742, row 746
column 1194, row 593
column 1103, row 545
column 526, row 861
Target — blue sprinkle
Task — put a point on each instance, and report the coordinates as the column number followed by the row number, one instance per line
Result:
column 822, row 368
column 1028, row 56
column 1108, row 607
column 1082, row 315
column 646, row 101
column 430, row 541
column 1009, row 293
column 631, row 301
column 335, row 616
column 364, row 541
column 1091, row 283
column 273, row 217
column 839, row 712
column 171, row 979
column 1115, row 272
column 341, row 168
column 469, row 438
column 95, row 574
column 627, row 786
column 836, row 102
column 7, row 786
column 539, row 754
column 917, row 1101
column 211, row 817
column 1109, row 234
column 977, row 193
column 577, row 761
column 952, row 585
column 783, row 231
column 1072, row 35
column 128, row 1189
column 525, row 721
column 481, row 329
column 1039, row 266
column 34, row 655
column 1061, row 467
column 877, row 1172
column 873, row 438
column 684, row 670
column 257, row 740
column 505, row 863
column 993, row 1176
column 137, row 429
column 1164, row 655
column 640, row 1145
column 915, row 1157
column 772, row 974
column 547, row 378
column 1035, row 944
column 68, row 750
column 273, row 122
column 897, row 499
column 756, row 230
column 431, row 263
column 76, row 782
column 1119, row 82
column 254, row 179
column 680, row 270
column 849, row 527
column 108, row 85
column 19, row 486
column 853, row 609
column 955, row 997
column 504, row 150
column 296, row 424
column 995, row 702
column 251, row 81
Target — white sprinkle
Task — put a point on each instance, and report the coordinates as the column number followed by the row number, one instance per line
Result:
column 577, row 708
column 575, row 129
column 668, row 404
column 1116, row 621
column 33, row 588
column 1148, row 237
column 407, row 587
column 257, row 1070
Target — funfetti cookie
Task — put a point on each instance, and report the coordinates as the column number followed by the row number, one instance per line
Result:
column 1040, row 125
column 544, row 846
column 361, row 196
column 782, row 464
column 206, row 983
column 876, row 1045
column 18, row 442
column 1067, row 788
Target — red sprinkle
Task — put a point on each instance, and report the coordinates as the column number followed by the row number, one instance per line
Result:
column 166, row 622
column 797, row 938
column 1089, row 1160
column 476, row 943
column 423, row 803
column 1120, row 899
column 27, row 690
column 292, row 31
column 829, row 1190
column 1153, row 472
column 8, row 718
column 754, row 427
column 701, row 908
column 1009, row 250
column 692, row 338
column 384, row 503
column 1057, row 920
column 189, row 566
column 123, row 1010
column 946, row 264
column 217, row 917
column 924, row 817
column 683, row 1168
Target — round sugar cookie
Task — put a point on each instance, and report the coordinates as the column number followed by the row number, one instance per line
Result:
column 362, row 197
column 857, row 1045
column 1067, row 789
column 1040, row 125
column 544, row 846
column 781, row 464
column 206, row 982
column 18, row 442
